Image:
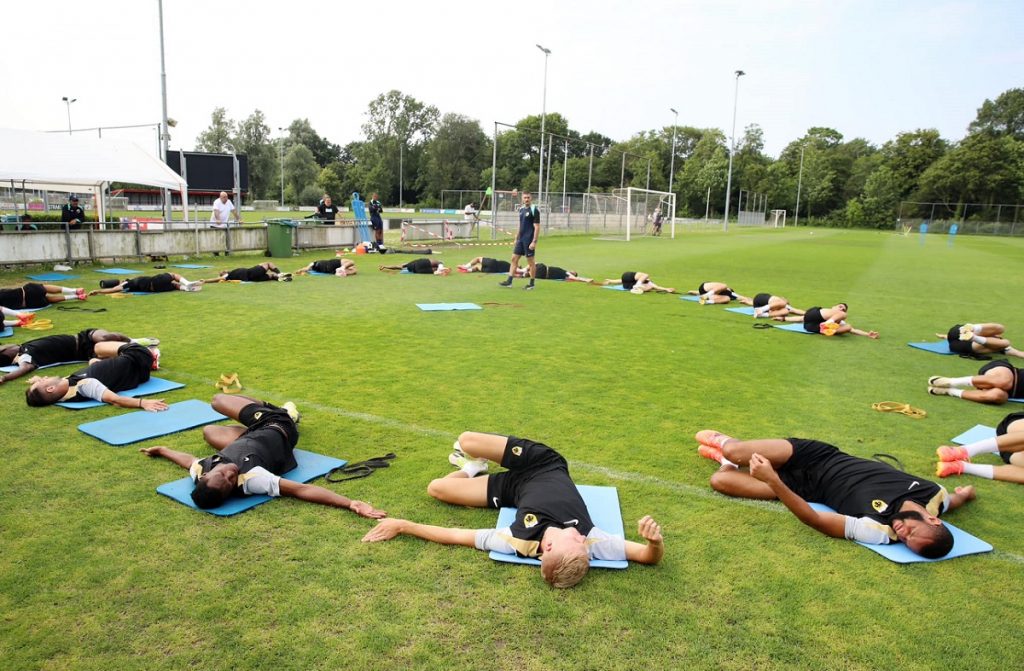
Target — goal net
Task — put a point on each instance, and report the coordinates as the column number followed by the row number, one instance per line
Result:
column 641, row 212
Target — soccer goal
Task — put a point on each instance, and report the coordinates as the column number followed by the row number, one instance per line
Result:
column 778, row 218
column 641, row 212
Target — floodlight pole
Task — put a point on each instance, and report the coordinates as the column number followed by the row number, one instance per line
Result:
column 165, row 136
column 565, row 173
column 543, row 116
column 401, row 161
column 732, row 150
column 672, row 160
column 280, row 160
column 68, row 101
column 799, row 183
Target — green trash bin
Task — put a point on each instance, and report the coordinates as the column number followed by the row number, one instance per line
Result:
column 279, row 237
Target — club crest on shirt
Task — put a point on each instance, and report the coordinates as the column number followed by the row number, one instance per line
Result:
column 530, row 521
column 879, row 505
column 517, row 450
column 258, row 415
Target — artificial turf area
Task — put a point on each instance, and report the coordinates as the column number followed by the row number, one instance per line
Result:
column 98, row 571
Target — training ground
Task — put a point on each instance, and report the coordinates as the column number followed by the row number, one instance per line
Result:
column 98, row 571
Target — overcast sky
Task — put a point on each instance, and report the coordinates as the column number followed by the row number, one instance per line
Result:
column 868, row 68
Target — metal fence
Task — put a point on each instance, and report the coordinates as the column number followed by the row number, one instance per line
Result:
column 967, row 218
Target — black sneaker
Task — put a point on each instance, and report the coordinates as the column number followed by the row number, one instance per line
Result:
column 528, row 287
column 506, row 283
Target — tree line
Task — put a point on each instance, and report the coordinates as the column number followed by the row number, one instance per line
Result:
column 410, row 152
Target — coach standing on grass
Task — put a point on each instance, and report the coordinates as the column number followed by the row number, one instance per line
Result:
column 222, row 210
column 526, row 240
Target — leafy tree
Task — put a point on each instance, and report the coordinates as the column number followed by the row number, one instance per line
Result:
column 328, row 181
column 909, row 154
column 396, row 128
column 216, row 139
column 706, row 168
column 324, row 152
column 455, row 157
column 300, row 169
column 1003, row 116
column 252, row 138
column 983, row 168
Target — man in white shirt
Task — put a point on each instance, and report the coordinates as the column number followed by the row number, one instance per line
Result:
column 251, row 458
column 222, row 211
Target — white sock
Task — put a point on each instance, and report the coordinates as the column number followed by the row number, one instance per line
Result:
column 981, row 470
column 981, row 340
column 66, row 291
column 960, row 381
column 726, row 462
column 829, row 321
column 474, row 467
column 10, row 322
column 959, row 393
column 987, row 446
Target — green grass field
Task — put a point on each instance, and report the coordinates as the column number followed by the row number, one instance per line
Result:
column 97, row 571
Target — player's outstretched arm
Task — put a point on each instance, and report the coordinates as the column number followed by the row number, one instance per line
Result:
column 388, row 529
column 325, row 497
column 830, row 524
column 653, row 550
column 180, row 458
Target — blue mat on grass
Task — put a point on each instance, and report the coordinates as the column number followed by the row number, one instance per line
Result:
column 32, row 309
column 795, row 327
column 444, row 307
column 963, row 544
column 615, row 287
column 140, row 425
column 51, row 277
column 6, row 332
column 937, row 347
column 315, row 273
column 154, row 385
column 603, row 506
column 692, row 299
column 189, row 265
column 745, row 310
column 11, row 369
column 311, row 466
column 119, row 271
column 974, row 434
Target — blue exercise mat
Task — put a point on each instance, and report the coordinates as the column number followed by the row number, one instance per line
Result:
column 11, row 369
column 6, row 332
column 51, row 277
column 745, row 310
column 119, row 271
column 444, row 307
column 32, row 309
column 140, row 425
column 154, row 385
column 615, row 287
column 692, row 299
column 963, row 544
column 795, row 327
column 189, row 265
column 311, row 466
column 939, row 347
column 315, row 273
column 974, row 434
column 603, row 506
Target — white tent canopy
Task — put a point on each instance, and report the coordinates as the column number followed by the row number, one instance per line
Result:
column 69, row 163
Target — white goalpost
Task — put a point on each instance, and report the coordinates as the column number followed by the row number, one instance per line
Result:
column 778, row 218
column 642, row 212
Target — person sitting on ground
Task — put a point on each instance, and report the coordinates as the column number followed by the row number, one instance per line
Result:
column 711, row 293
column 874, row 502
column 1008, row 443
column 770, row 306
column 421, row 267
column 251, row 458
column 55, row 349
column 148, row 284
column 264, row 272
column 337, row 266
column 637, row 283
column 485, row 264
column 552, row 522
column 119, row 366
column 995, row 383
column 979, row 339
column 827, row 321
column 32, row 296
column 546, row 272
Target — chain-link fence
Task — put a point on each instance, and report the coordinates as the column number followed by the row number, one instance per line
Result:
column 968, row 218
